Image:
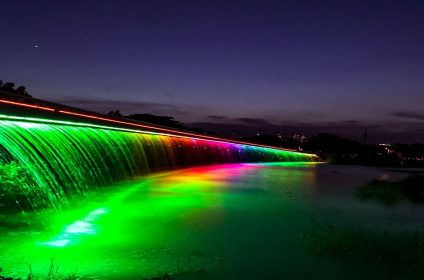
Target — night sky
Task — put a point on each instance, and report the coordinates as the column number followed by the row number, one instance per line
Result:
column 244, row 66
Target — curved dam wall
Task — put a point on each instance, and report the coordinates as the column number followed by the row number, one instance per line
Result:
column 43, row 164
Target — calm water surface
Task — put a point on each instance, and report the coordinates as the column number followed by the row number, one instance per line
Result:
column 243, row 221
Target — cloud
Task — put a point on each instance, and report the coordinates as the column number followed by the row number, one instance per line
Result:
column 407, row 129
column 399, row 132
column 243, row 120
column 253, row 121
column 226, row 125
column 350, row 122
column 128, row 107
column 217, row 117
column 408, row 115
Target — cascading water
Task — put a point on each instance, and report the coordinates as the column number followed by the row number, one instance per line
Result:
column 45, row 164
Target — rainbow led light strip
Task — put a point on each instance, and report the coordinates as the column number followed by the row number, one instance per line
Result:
column 167, row 132
column 217, row 140
column 191, row 135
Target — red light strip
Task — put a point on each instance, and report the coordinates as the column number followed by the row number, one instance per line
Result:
column 127, row 123
column 26, row 105
column 141, row 125
column 172, row 131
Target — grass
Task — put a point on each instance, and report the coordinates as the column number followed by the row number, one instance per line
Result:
column 52, row 274
column 184, row 271
column 410, row 189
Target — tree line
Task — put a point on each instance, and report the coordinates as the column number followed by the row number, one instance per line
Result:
column 10, row 88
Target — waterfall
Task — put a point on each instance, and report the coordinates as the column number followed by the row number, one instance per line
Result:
column 44, row 164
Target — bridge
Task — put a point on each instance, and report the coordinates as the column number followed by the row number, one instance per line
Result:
column 54, row 151
column 21, row 108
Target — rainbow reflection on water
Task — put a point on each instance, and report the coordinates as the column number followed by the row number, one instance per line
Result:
column 217, row 222
column 144, row 224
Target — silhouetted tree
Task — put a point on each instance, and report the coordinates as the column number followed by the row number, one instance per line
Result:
column 200, row 130
column 160, row 120
column 116, row 113
column 21, row 91
column 9, row 87
column 335, row 148
column 263, row 139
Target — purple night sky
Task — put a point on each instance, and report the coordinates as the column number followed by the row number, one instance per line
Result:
column 245, row 66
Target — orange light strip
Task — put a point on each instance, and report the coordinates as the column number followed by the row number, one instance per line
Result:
column 200, row 136
column 26, row 105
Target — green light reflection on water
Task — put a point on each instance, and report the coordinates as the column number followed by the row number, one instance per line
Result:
column 141, row 227
column 78, row 228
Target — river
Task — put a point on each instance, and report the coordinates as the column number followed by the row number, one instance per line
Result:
column 237, row 221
